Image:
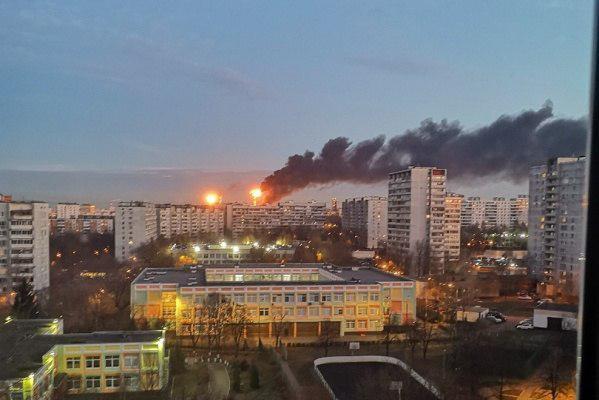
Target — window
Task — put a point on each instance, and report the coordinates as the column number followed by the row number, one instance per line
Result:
column 263, row 311
column 338, row 297
column 131, row 360
column 326, row 311
column 92, row 362
column 374, row 297
column 74, row 383
column 338, row 311
column 289, row 311
column 362, row 310
column 277, row 298
column 239, row 298
column 326, row 297
column 131, row 381
column 301, row 311
column 264, row 298
column 113, row 381
column 73, row 362
column 289, row 298
column 350, row 297
column 92, row 382
column 313, row 311
column 374, row 311
column 313, row 297
column 112, row 361
column 362, row 324
column 252, row 298
column 302, row 298
column 350, row 324
column 362, row 296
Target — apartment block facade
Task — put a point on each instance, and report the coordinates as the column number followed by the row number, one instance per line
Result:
column 302, row 297
column 366, row 216
column 556, row 220
column 242, row 218
column 451, row 235
column 495, row 212
column 43, row 363
column 134, row 225
column 24, row 245
column 190, row 220
column 416, row 219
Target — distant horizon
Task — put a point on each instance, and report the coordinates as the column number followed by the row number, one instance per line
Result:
column 182, row 186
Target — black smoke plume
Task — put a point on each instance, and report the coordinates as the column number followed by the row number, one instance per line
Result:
column 504, row 149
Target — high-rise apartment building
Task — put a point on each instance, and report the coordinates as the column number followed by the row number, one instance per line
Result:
column 190, row 220
column 134, row 225
column 367, row 216
column 242, row 218
column 556, row 221
column 416, row 219
column 519, row 210
column 453, row 211
column 67, row 210
column 24, row 245
column 495, row 212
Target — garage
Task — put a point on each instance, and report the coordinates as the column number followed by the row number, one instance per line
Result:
column 558, row 317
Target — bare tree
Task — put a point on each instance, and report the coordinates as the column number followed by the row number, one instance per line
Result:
column 327, row 333
column 555, row 381
column 239, row 321
column 278, row 325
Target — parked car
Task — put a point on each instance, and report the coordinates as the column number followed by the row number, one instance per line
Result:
column 497, row 314
column 525, row 325
column 495, row 319
column 524, row 296
column 525, row 321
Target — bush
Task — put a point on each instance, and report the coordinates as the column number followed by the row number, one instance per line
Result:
column 244, row 365
column 235, row 378
column 254, row 377
column 260, row 345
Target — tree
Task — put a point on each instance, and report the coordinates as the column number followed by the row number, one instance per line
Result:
column 327, row 333
column 25, row 304
column 555, row 381
column 278, row 325
column 209, row 320
column 254, row 377
column 238, row 325
column 422, row 259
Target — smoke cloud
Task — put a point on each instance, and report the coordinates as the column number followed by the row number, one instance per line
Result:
column 504, row 149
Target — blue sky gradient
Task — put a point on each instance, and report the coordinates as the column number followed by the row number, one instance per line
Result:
column 235, row 86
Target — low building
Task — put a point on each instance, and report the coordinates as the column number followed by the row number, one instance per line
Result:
column 40, row 362
column 555, row 316
column 223, row 253
column 301, row 296
column 471, row 314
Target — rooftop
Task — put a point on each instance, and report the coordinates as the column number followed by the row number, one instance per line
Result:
column 558, row 307
column 24, row 342
column 328, row 274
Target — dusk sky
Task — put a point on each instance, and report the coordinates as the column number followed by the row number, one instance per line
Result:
column 114, row 87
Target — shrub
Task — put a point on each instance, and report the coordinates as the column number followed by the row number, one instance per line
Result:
column 254, row 377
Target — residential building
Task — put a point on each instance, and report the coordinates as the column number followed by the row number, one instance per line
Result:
column 192, row 220
column 416, row 217
column 452, row 226
column 41, row 363
column 519, row 210
column 24, row 245
column 367, row 217
column 473, row 211
column 294, row 299
column 134, row 225
column 85, row 223
column 242, row 218
column 556, row 222
column 67, row 210
column 495, row 212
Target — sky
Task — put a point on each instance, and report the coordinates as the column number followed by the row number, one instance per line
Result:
column 111, row 91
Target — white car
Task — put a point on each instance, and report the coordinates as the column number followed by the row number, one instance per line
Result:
column 494, row 319
column 525, row 325
column 524, row 297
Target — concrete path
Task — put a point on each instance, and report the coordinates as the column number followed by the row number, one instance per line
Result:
column 219, row 384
